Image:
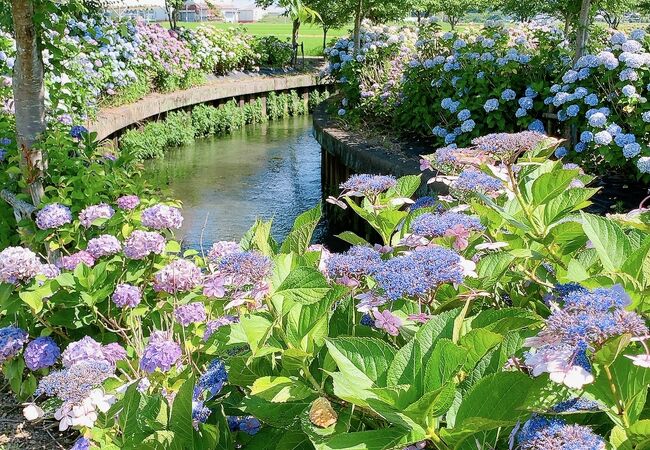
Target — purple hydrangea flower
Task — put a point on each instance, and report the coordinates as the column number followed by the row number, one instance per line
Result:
column 368, row 185
column 418, row 273
column 436, row 225
column 78, row 131
column 113, row 353
column 73, row 384
column 388, row 322
column 541, row 433
column 211, row 382
column 18, row 265
column 72, row 261
column 81, row 444
column 128, row 202
column 223, row 248
column 141, row 244
column 40, row 353
column 85, row 349
column 101, row 211
column 161, row 353
column 475, row 181
column 162, row 216
column 104, row 245
column 127, row 296
column 179, row 276
column 248, row 424
column 351, row 267
column 12, row 340
column 190, row 313
column 53, row 215
column 49, row 271
column 504, row 145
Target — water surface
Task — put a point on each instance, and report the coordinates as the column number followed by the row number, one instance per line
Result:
column 270, row 171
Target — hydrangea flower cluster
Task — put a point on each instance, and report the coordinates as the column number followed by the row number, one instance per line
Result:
column 241, row 275
column 223, row 248
column 581, row 321
column 71, row 262
column 190, row 313
column 40, row 353
column 52, row 216
column 94, row 212
column 178, row 276
column 211, row 382
column 104, row 245
column 12, row 340
column 418, row 273
column 127, row 296
column 472, row 181
column 351, row 267
column 433, row 225
column 18, row 265
column 161, row 353
column 367, row 185
column 141, row 244
column 160, row 217
column 88, row 349
column 128, row 202
column 247, row 424
column 541, row 433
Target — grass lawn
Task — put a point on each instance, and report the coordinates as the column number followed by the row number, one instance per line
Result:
column 310, row 35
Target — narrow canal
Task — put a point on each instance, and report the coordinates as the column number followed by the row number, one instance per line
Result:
column 270, row 171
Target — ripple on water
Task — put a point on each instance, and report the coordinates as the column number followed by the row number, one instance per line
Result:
column 271, row 171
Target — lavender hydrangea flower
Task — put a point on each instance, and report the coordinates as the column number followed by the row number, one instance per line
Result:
column 419, row 272
column 49, row 271
column 505, row 145
column 351, row 267
column 128, row 202
column 81, row 444
column 161, row 353
column 162, row 216
column 18, row 265
column 385, row 320
column 475, row 181
column 72, row 261
column 141, row 244
column 94, row 212
column 368, row 185
column 179, row 276
column 436, row 225
column 53, row 215
column 85, row 349
column 104, row 245
column 127, row 296
column 190, row 313
column 40, row 353
column 541, row 433
column 113, row 353
column 12, row 340
column 223, row 248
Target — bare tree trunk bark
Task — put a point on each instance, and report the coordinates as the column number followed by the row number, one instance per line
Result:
column 325, row 29
column 29, row 96
column 357, row 26
column 294, row 40
column 582, row 34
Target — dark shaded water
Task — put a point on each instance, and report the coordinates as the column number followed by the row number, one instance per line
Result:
column 270, row 171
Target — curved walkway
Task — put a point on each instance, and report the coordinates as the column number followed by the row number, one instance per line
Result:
column 111, row 120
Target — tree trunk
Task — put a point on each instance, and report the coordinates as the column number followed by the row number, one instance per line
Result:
column 325, row 29
column 453, row 21
column 567, row 24
column 294, row 39
column 582, row 34
column 29, row 96
column 357, row 26
column 419, row 15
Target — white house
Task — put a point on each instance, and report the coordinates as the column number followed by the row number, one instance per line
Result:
column 150, row 10
column 238, row 12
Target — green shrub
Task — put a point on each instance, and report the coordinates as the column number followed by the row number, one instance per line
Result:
column 273, row 51
column 316, row 98
column 296, row 105
column 277, row 106
column 146, row 142
column 203, row 118
column 254, row 112
column 179, row 129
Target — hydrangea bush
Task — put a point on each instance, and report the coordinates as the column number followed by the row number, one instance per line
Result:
column 500, row 314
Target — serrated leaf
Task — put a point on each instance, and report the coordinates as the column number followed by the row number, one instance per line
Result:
column 280, row 389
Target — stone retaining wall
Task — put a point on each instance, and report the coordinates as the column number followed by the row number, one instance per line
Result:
column 111, row 120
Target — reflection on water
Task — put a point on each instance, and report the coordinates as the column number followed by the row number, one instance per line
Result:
column 270, row 171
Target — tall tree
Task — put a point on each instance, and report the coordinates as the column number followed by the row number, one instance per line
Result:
column 455, row 10
column 614, row 10
column 333, row 14
column 522, row 10
column 172, row 7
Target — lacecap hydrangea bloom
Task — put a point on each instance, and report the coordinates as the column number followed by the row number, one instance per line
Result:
column 350, row 267
column 542, row 433
column 18, row 265
column 40, row 353
column 367, row 185
column 161, row 352
column 211, row 381
column 474, row 181
column 53, row 215
column 180, row 275
column 436, row 225
column 161, row 216
column 141, row 244
column 94, row 212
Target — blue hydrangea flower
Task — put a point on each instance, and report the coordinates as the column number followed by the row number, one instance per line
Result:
column 467, row 126
column 561, row 152
column 464, row 115
column 508, row 95
column 521, row 112
column 591, row 100
column 526, row 103
column 631, row 150
column 78, row 131
column 643, row 164
column 573, row 110
column 570, row 77
column 586, row 136
column 537, row 125
column 646, row 117
column 471, row 180
column 212, row 381
column 629, row 91
column 603, row 138
column 12, row 340
column 580, row 147
column 598, row 120
column 490, row 105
